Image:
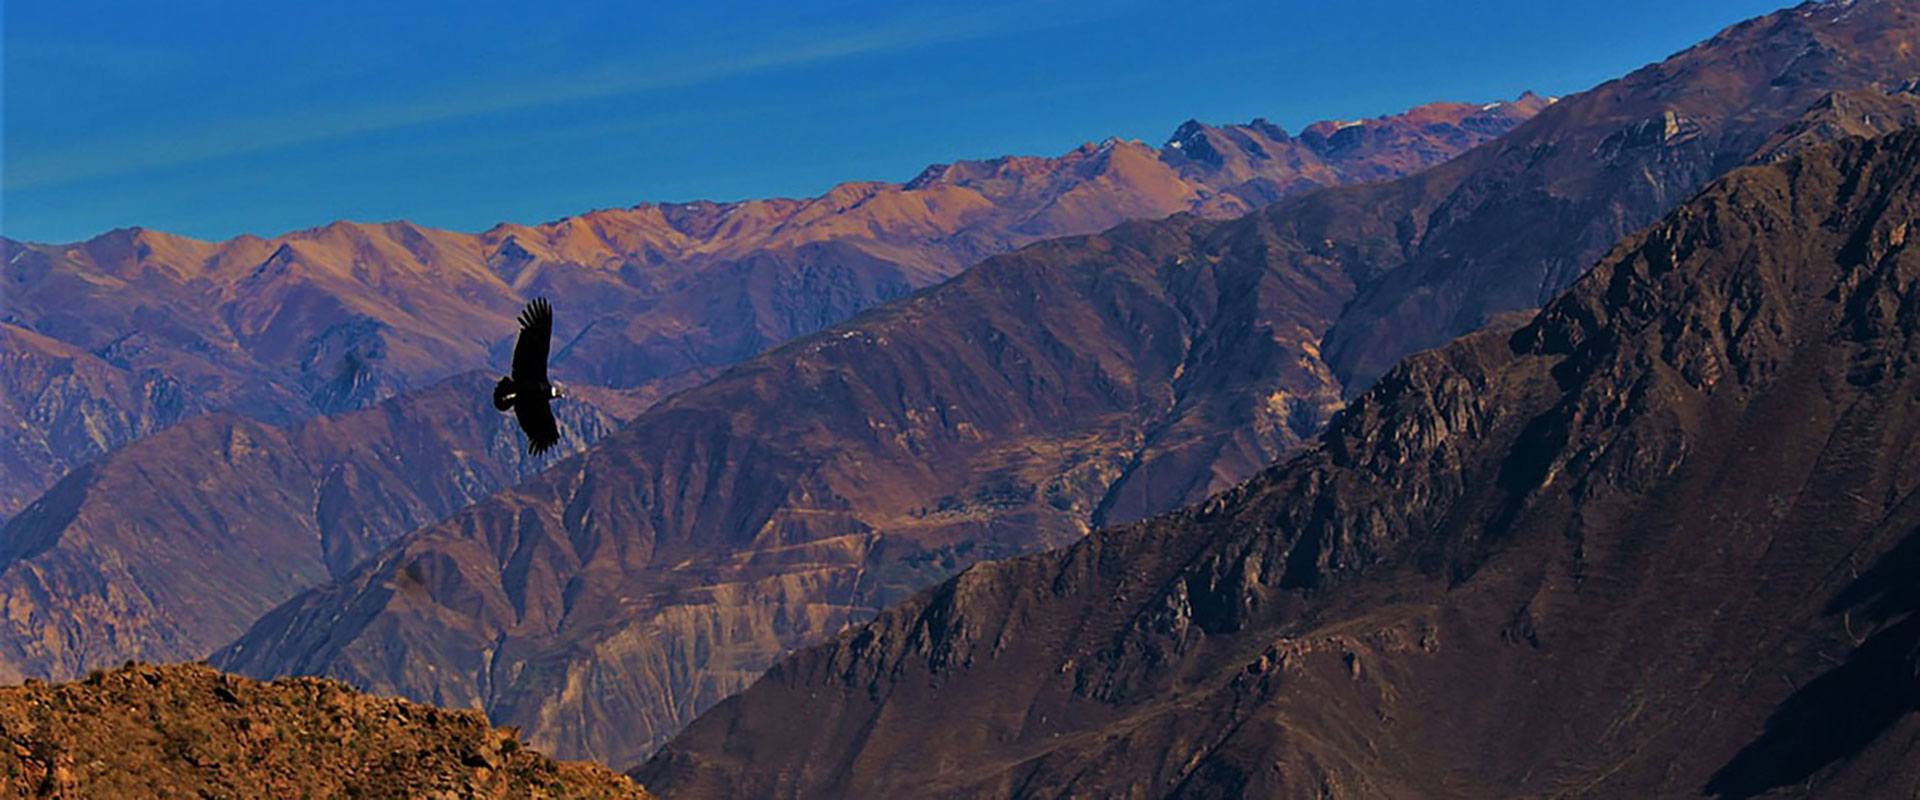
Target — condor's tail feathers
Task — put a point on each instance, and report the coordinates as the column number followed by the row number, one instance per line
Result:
column 503, row 394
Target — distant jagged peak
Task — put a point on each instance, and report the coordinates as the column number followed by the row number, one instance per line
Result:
column 134, row 235
column 852, row 193
column 137, row 238
column 932, row 174
column 116, row 244
column 1194, row 141
column 1452, row 113
column 1838, row 9
column 976, row 172
column 1103, row 146
column 1187, row 130
column 679, row 229
column 123, row 253
column 1269, row 129
column 1200, row 141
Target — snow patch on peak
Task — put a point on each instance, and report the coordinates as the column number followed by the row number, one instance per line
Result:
column 1187, row 134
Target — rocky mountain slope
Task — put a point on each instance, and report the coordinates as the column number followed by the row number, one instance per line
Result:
column 1509, row 227
column 170, row 547
column 1074, row 384
column 1656, row 542
column 653, row 297
column 65, row 406
column 1843, row 114
column 635, row 584
column 189, row 731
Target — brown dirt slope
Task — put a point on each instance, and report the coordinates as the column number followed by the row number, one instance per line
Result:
column 1658, row 542
column 187, row 730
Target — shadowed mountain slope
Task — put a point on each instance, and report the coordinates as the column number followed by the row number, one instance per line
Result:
column 173, row 545
column 655, row 297
column 1516, row 223
column 1843, row 114
column 71, row 406
column 188, row 731
column 629, row 586
column 1073, row 384
column 1654, row 543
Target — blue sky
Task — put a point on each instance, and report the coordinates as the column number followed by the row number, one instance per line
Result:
column 214, row 118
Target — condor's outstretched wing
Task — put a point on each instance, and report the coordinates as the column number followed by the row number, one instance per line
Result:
column 536, row 418
column 530, row 352
column 532, row 405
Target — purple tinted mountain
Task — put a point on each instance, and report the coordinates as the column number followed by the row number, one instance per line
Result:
column 173, row 545
column 608, row 599
column 1073, row 384
column 1514, row 224
column 1843, row 114
column 1657, row 542
column 652, row 297
column 66, row 406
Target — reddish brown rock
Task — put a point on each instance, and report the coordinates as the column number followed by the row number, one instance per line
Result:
column 143, row 731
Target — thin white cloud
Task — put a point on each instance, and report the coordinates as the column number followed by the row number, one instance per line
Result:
column 147, row 151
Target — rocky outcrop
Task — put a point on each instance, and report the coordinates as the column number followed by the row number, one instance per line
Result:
column 1078, row 383
column 1649, row 544
column 189, row 731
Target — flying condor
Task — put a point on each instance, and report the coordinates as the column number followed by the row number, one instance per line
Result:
column 527, row 391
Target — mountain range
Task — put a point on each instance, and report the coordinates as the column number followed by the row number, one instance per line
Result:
column 1281, row 485
column 1657, row 541
column 113, row 564
column 1074, row 384
column 113, row 338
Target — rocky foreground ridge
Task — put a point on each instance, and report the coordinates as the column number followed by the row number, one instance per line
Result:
column 143, row 731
